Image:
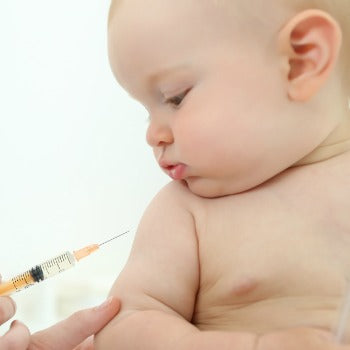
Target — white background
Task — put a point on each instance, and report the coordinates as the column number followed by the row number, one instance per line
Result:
column 74, row 165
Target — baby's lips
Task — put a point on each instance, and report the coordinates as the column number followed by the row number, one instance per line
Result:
column 176, row 172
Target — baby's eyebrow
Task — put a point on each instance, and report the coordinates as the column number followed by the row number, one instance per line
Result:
column 154, row 78
column 149, row 82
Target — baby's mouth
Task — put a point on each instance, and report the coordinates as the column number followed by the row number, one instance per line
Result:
column 176, row 172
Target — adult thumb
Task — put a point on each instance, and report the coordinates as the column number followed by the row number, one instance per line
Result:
column 69, row 333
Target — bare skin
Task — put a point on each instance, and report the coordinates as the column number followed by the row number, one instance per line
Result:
column 247, row 248
column 304, row 228
column 236, row 285
column 75, row 332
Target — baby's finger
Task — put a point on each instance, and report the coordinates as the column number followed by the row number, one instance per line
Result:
column 16, row 338
column 7, row 309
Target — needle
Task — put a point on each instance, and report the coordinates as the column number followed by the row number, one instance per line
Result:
column 84, row 252
column 111, row 239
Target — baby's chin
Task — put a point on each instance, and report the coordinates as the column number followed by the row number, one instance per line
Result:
column 208, row 188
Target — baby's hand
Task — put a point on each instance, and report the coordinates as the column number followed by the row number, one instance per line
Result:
column 299, row 339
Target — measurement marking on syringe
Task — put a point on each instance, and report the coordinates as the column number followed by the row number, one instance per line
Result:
column 58, row 266
column 49, row 268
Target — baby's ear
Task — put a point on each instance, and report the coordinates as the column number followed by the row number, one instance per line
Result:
column 309, row 46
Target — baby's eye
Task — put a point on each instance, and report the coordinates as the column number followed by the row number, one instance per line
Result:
column 176, row 100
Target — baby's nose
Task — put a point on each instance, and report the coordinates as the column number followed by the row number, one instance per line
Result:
column 159, row 134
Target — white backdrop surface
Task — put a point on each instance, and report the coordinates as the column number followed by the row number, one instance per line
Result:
column 74, row 165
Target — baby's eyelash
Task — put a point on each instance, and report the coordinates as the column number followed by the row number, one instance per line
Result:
column 176, row 100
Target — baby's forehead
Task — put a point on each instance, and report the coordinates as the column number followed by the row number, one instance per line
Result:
column 170, row 22
column 135, row 25
column 140, row 40
column 172, row 15
column 242, row 15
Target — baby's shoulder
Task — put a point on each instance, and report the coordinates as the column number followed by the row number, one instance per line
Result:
column 177, row 193
column 176, row 202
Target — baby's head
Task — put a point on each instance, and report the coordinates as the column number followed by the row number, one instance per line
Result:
column 237, row 90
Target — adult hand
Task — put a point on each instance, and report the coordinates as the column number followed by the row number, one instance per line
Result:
column 18, row 336
column 76, row 332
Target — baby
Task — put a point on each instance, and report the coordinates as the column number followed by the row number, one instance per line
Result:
column 248, row 248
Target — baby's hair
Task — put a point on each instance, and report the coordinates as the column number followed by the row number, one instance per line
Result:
column 339, row 9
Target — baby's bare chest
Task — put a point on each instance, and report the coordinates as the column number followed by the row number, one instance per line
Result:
column 263, row 253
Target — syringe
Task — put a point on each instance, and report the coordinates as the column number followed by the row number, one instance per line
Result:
column 49, row 268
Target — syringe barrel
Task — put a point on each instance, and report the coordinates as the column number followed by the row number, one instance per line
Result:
column 53, row 266
column 38, row 273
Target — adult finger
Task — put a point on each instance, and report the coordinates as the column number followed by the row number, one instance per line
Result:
column 87, row 344
column 67, row 334
column 7, row 309
column 16, row 338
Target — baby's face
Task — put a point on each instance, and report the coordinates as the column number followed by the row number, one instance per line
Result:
column 214, row 95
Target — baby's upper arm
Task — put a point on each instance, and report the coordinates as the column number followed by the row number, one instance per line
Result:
column 162, row 272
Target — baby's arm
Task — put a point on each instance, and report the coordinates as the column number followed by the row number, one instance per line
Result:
column 158, row 289
column 159, row 283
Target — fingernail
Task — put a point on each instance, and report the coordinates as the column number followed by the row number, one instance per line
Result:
column 105, row 304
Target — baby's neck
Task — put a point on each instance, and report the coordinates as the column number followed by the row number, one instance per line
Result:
column 324, row 152
column 335, row 144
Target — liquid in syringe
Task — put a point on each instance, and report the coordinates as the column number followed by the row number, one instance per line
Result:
column 49, row 268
